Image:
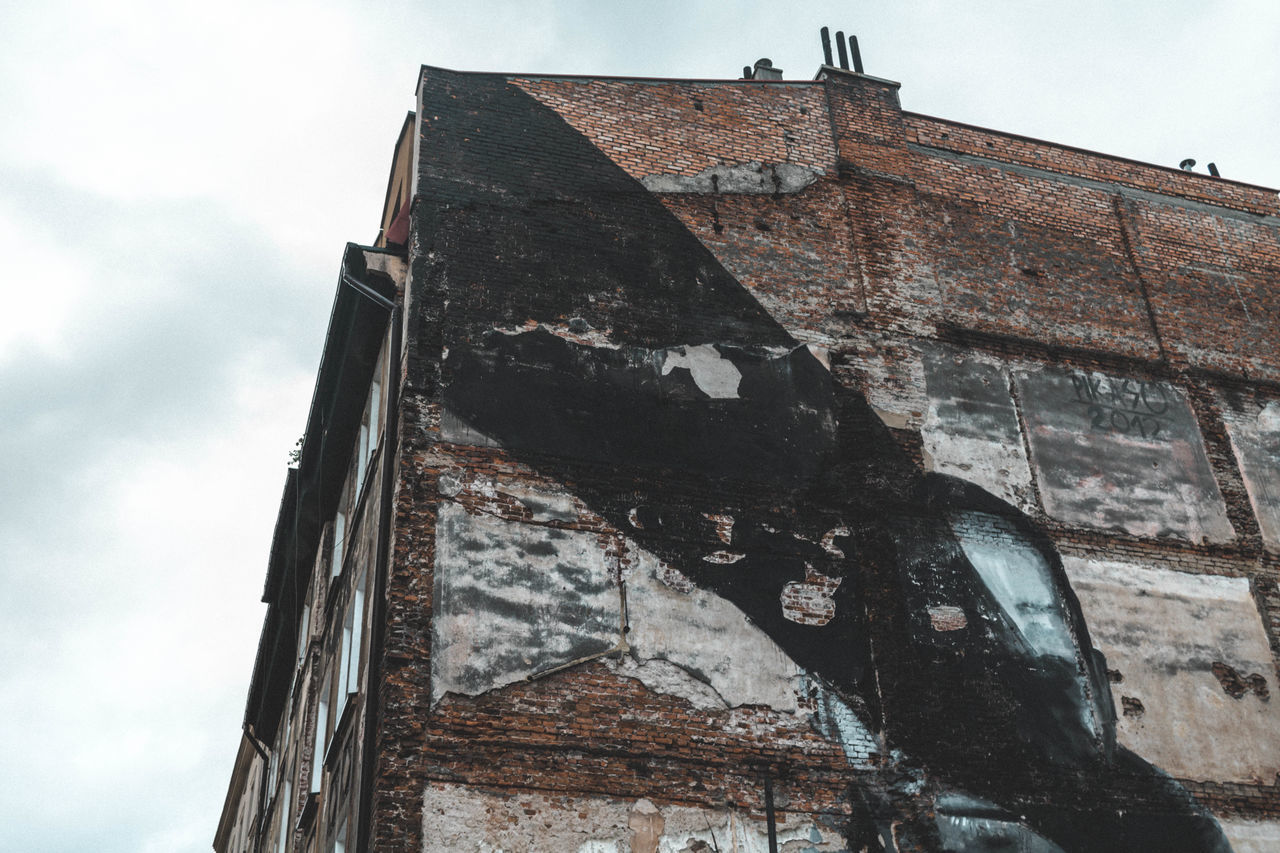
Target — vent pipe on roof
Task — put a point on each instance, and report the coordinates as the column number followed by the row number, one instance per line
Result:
column 1188, row 164
column 855, row 54
column 1213, row 170
column 764, row 70
column 851, row 52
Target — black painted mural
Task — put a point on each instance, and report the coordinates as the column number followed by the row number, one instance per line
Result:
column 674, row 396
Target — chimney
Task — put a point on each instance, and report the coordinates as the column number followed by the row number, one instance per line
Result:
column 764, row 70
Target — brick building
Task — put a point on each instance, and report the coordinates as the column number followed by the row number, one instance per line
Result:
column 755, row 465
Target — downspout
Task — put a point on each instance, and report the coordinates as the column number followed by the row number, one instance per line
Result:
column 260, row 748
column 377, row 627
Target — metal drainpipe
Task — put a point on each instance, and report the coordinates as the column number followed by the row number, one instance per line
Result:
column 260, row 748
column 374, row 668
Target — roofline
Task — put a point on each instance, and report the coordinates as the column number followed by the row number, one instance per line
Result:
column 1089, row 151
column 622, row 77
column 818, row 79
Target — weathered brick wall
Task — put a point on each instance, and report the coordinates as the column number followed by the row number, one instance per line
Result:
column 902, row 235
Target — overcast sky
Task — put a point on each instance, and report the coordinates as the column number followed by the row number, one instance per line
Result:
column 177, row 182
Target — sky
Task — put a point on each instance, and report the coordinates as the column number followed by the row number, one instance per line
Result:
column 177, row 183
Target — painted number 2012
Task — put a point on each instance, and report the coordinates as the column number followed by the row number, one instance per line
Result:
column 1104, row 419
column 1126, row 406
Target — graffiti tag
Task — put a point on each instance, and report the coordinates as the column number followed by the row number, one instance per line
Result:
column 1125, row 406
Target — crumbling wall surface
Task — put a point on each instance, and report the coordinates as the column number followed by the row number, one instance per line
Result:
column 746, row 425
column 682, row 136
column 1192, row 257
column 971, row 429
column 1254, row 428
column 1252, row 836
column 1191, row 668
column 458, row 818
column 1121, row 453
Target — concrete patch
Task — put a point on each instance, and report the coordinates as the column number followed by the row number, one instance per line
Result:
column 754, row 177
column 1254, row 428
column 515, row 599
column 459, row 818
column 1162, row 632
column 1252, row 836
column 706, row 636
column 1121, row 454
column 971, row 428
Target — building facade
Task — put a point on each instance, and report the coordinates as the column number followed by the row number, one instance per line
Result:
column 754, row 465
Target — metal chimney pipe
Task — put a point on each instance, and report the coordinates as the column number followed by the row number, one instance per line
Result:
column 857, row 54
column 826, row 46
column 844, row 57
column 1213, row 170
column 746, row 72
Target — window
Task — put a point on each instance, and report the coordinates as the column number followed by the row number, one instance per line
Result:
column 339, row 842
column 322, row 736
column 284, row 817
column 339, row 536
column 304, row 633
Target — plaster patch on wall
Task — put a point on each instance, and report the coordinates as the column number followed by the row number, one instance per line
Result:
column 753, row 177
column 1254, row 429
column 1162, row 631
column 971, row 427
column 515, row 599
column 1251, row 836
column 890, row 375
column 715, row 376
column 702, row 633
column 1121, row 454
column 459, row 818
column 662, row 676
column 455, row 430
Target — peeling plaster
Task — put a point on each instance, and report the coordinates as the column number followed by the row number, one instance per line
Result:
column 1252, row 836
column 1164, row 630
column 462, row 819
column 1121, row 453
column 663, row 676
column 516, row 599
column 455, row 430
column 1254, row 429
column 752, row 177
column 810, row 602
column 971, row 427
column 715, row 375
column 703, row 633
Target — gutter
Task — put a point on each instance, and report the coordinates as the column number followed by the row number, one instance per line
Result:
column 390, row 455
